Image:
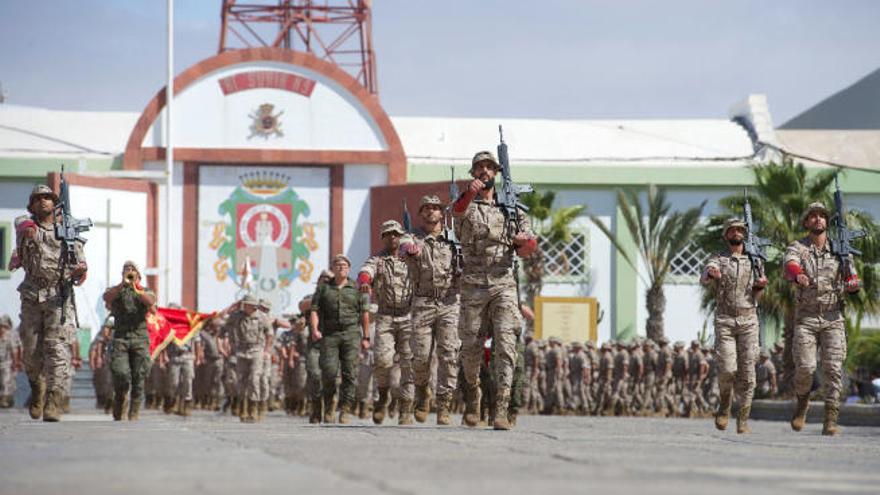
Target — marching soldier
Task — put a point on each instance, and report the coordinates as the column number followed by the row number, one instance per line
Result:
column 251, row 338
column 736, row 323
column 387, row 275
column 46, row 312
column 10, row 361
column 606, row 370
column 698, row 370
column 432, row 263
column 488, row 287
column 765, row 376
column 180, row 376
column 680, row 365
column 620, row 375
column 130, row 303
column 821, row 286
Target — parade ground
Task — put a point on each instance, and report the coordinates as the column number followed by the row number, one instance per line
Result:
column 216, row 454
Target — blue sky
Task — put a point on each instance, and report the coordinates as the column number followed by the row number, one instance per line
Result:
column 480, row 58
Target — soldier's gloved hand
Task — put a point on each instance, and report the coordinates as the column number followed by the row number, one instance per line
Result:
column 853, row 284
column 760, row 283
column 713, row 272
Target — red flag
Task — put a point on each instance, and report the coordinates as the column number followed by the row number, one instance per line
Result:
column 173, row 325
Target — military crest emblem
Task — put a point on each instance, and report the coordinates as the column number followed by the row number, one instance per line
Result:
column 266, row 124
column 265, row 242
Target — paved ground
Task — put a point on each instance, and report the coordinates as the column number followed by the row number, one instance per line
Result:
column 208, row 453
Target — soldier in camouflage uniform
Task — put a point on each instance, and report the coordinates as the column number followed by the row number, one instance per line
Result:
column 230, row 370
column 251, row 337
column 433, row 268
column 212, row 364
column 337, row 310
column 604, row 390
column 650, row 361
column 99, row 362
column 698, row 369
column 579, row 377
column 729, row 273
column 386, row 275
column 488, row 284
column 130, row 304
column 821, row 286
column 776, row 355
column 620, row 377
column 680, row 373
column 664, row 399
column 10, row 361
column 554, row 401
column 180, row 376
column 45, row 313
column 765, row 377
column 637, row 377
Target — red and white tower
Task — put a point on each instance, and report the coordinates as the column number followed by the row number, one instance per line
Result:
column 338, row 31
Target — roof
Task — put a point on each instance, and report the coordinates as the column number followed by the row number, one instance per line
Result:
column 854, row 148
column 854, row 107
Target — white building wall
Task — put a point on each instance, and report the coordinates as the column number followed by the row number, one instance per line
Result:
column 356, row 207
column 172, row 292
column 13, row 203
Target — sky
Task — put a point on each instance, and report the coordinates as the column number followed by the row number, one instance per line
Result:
column 557, row 59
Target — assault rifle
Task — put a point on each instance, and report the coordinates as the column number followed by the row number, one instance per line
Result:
column 507, row 196
column 449, row 223
column 841, row 240
column 407, row 220
column 753, row 245
column 68, row 230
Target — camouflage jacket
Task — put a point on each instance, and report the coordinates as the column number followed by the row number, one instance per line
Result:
column 486, row 243
column 433, row 271
column 247, row 334
column 41, row 259
column 392, row 286
column 733, row 291
column 826, row 290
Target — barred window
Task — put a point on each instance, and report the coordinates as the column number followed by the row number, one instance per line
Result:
column 687, row 264
column 567, row 261
column 5, row 246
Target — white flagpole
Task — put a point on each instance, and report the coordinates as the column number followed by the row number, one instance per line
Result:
column 169, row 152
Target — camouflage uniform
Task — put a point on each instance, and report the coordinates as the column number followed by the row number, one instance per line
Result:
column 604, row 390
column 212, row 368
column 818, row 320
column 736, row 328
column 637, row 377
column 102, row 378
column 663, row 395
column 249, row 335
column 130, row 361
column 650, row 361
column 435, row 316
column 680, row 367
column 536, row 404
column 578, row 367
column 620, row 376
column 489, row 295
column 42, row 312
column 180, row 375
column 529, row 358
column 694, row 400
column 764, row 373
column 10, row 348
column 555, row 399
column 393, row 292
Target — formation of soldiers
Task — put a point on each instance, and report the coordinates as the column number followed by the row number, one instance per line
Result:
column 432, row 323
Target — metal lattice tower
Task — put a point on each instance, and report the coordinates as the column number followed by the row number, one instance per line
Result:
column 339, row 31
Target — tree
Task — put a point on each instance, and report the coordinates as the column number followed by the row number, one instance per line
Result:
column 552, row 226
column 659, row 235
column 779, row 197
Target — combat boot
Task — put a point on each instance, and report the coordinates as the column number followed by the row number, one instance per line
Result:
column 423, row 403
column 253, row 412
column 329, row 409
column 108, row 405
column 722, row 417
column 443, row 418
column 362, row 409
column 134, row 411
column 406, row 415
column 315, row 413
column 511, row 416
column 344, row 414
column 243, row 409
column 471, row 416
column 235, row 406
column 52, row 408
column 187, row 408
column 120, row 403
column 502, row 403
column 65, row 404
column 380, row 408
column 800, row 412
column 38, row 398
column 170, row 405
column 149, row 401
column 829, row 426
column 742, row 419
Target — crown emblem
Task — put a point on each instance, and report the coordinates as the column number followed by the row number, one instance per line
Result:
column 264, row 123
column 264, row 183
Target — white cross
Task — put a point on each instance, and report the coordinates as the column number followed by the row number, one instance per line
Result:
column 108, row 225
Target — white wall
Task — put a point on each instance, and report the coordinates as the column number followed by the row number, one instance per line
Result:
column 216, row 289
column 328, row 119
column 174, row 293
column 13, row 203
column 356, row 207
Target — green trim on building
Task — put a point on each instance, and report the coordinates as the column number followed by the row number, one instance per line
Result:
column 626, row 296
column 6, row 250
column 37, row 168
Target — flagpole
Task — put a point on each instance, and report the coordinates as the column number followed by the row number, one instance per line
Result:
column 169, row 150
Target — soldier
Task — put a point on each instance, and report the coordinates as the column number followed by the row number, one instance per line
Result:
column 99, row 362
column 604, row 391
column 433, row 268
column 637, row 377
column 339, row 308
column 730, row 275
column 251, row 337
column 180, row 375
column 488, row 286
column 10, row 361
column 225, row 343
column 650, row 362
column 130, row 303
column 698, row 370
column 821, row 285
column 388, row 274
column 529, row 358
column 680, row 375
column 365, row 382
column 555, row 374
column 209, row 355
column 579, row 377
column 46, row 308
column 776, row 356
column 620, row 377
column 664, row 398
column 765, row 377
column 710, row 386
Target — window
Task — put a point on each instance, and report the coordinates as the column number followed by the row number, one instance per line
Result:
column 567, row 262
column 5, row 248
column 686, row 266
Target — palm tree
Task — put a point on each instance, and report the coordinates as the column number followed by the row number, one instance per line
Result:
column 552, row 226
column 779, row 197
column 659, row 235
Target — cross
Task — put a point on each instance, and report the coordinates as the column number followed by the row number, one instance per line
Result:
column 108, row 225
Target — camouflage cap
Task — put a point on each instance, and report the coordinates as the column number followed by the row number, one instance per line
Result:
column 764, row 354
column 485, row 156
column 663, row 340
column 814, row 206
column 5, row 321
column 695, row 343
column 542, row 344
column 779, row 345
column 430, row 199
column 341, row 257
column 589, row 344
column 576, row 345
column 679, row 344
column 555, row 340
column 266, row 304
column 132, row 265
column 250, row 300
column 606, row 346
column 392, row 226
column 43, row 190
column 732, row 223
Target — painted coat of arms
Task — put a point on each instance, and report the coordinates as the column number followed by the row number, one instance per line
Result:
column 265, row 123
column 264, row 245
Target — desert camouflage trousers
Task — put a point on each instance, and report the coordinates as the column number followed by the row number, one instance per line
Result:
column 736, row 344
column 826, row 330
column 435, row 326
column 393, row 336
column 46, row 342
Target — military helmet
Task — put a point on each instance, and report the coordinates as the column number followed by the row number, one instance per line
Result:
column 679, row 344
column 41, row 190
column 485, row 156
column 576, row 345
column 732, row 223
column 765, row 354
column 814, row 206
column 5, row 321
column 392, row 226
column 341, row 257
column 589, row 344
column 430, row 199
column 606, row 346
column 250, row 300
column 265, row 304
column 555, row 340
column 663, row 340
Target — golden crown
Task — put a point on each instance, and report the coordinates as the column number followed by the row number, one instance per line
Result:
column 264, row 182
